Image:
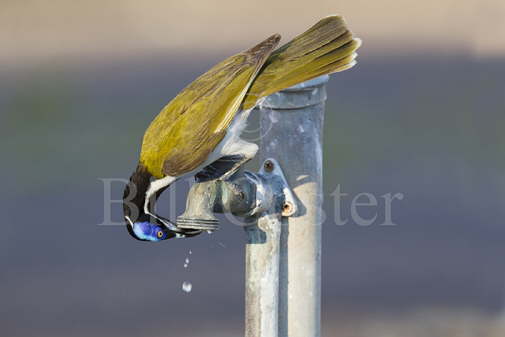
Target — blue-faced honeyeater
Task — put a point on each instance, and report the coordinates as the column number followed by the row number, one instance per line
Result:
column 198, row 132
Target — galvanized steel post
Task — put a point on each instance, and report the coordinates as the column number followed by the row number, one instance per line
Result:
column 291, row 126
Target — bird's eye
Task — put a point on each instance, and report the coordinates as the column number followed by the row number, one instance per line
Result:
column 159, row 234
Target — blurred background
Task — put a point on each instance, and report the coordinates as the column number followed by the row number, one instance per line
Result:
column 422, row 114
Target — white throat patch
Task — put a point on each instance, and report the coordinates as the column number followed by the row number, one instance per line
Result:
column 154, row 187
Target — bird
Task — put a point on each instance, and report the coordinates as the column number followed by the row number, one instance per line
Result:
column 198, row 132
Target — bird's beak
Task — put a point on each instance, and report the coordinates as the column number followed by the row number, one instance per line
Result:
column 176, row 231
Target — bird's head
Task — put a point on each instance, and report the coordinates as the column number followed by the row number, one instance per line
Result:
column 141, row 222
column 148, row 231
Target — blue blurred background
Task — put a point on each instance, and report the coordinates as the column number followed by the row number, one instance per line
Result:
column 422, row 114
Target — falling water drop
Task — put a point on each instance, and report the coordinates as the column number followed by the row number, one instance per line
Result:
column 187, row 286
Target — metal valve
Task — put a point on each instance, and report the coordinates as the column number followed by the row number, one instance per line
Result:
column 245, row 194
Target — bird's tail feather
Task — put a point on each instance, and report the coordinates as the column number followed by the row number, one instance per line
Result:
column 325, row 48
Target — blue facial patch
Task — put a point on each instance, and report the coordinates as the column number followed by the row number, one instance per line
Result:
column 148, row 231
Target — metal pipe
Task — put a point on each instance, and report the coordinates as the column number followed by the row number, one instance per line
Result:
column 291, row 126
column 262, row 251
column 262, row 276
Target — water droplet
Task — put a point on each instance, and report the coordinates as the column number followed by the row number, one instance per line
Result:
column 187, row 286
column 210, row 232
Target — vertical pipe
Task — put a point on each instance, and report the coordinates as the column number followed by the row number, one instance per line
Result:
column 291, row 126
column 262, row 277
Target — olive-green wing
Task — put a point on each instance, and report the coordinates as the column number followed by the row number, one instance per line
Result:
column 188, row 129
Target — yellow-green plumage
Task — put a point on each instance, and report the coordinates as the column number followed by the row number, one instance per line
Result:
column 190, row 127
column 184, row 133
column 325, row 48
